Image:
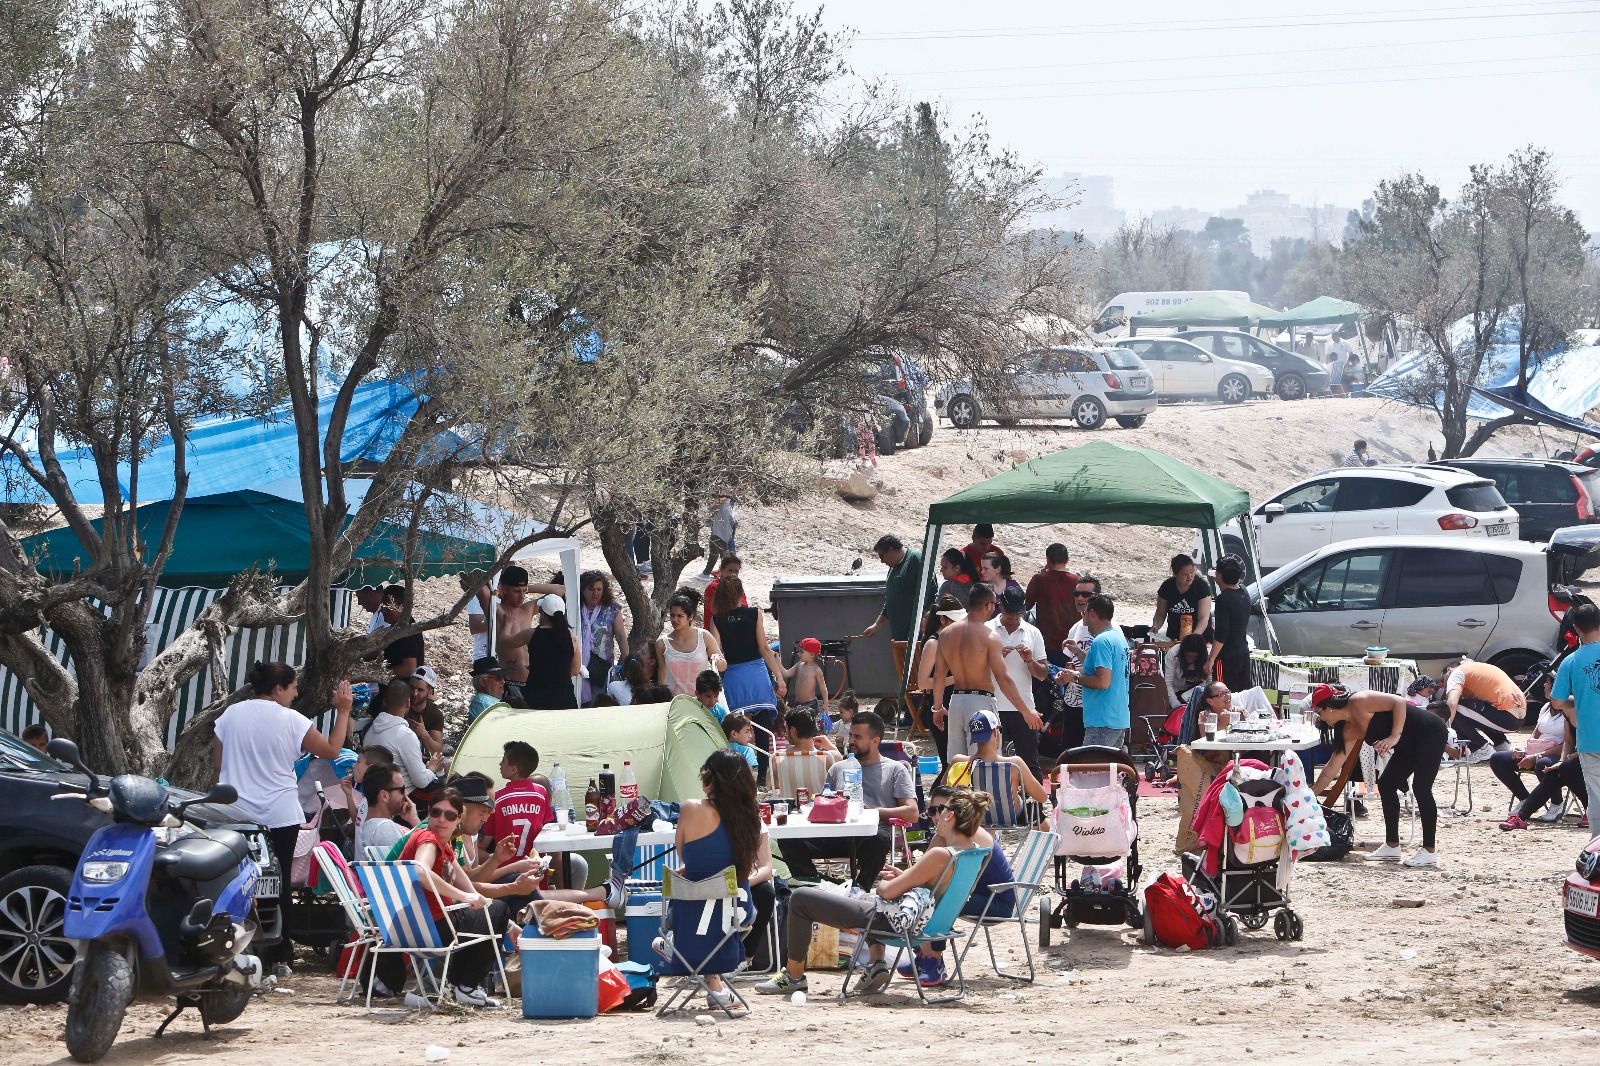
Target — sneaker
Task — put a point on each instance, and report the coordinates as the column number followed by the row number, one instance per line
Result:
column 1551, row 813
column 930, row 971
column 1360, row 809
column 662, row 946
column 616, row 892
column 876, row 979
column 1422, row 858
column 1387, row 853
column 381, row 990
column 781, row 984
column 414, row 1002
column 1514, row 822
column 472, row 997
column 1483, row 753
column 722, row 1000
column 282, row 971
column 908, row 968
column 1502, row 745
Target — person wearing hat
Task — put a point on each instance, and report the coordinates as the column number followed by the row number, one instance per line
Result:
column 424, row 715
column 488, row 686
column 809, row 689
column 552, row 656
column 1022, row 648
column 1412, row 737
column 988, row 740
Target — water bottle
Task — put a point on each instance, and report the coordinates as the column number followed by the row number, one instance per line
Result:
column 560, row 798
column 850, row 782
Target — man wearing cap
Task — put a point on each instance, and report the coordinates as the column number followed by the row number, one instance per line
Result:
column 1023, row 650
column 970, row 657
column 988, row 738
column 514, row 612
column 424, row 716
column 488, row 686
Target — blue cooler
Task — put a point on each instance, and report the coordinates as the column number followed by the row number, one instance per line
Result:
column 560, row 978
column 644, row 925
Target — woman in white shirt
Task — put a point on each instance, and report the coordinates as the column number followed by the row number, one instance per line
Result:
column 1542, row 750
column 257, row 743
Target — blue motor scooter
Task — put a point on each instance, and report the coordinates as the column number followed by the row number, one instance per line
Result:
column 159, row 908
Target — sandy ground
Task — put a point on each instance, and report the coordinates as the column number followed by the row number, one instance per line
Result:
column 1479, row 970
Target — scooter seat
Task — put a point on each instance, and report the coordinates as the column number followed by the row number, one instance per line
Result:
column 201, row 858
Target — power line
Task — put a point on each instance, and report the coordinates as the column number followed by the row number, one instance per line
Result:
column 1314, row 21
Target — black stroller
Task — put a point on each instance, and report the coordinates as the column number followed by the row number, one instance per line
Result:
column 1113, row 903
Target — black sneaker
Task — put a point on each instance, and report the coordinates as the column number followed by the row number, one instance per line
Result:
column 1360, row 809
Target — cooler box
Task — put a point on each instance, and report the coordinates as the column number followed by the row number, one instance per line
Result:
column 644, row 925
column 608, row 924
column 560, row 978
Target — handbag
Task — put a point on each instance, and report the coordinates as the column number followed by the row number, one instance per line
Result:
column 829, row 810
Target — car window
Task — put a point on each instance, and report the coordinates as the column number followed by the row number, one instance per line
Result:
column 1547, row 485
column 1311, row 498
column 15, row 753
column 1477, row 496
column 1346, row 583
column 1203, row 340
column 1172, row 351
column 1504, row 575
column 1122, row 359
column 1258, row 350
column 1376, row 494
column 1078, row 363
column 1436, row 577
column 1229, row 346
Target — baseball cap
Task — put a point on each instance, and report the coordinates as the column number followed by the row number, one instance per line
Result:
column 428, row 674
column 487, row 664
column 552, row 604
column 982, row 725
column 473, row 790
column 1012, row 600
column 1320, row 695
column 955, row 615
column 812, row 645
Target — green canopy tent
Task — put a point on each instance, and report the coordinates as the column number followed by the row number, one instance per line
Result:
column 667, row 743
column 1322, row 311
column 1095, row 483
column 226, row 534
column 1210, row 309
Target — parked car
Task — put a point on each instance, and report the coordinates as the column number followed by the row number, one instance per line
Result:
column 40, row 841
column 1548, row 495
column 1086, row 385
column 1580, row 902
column 1185, row 371
column 1428, row 598
column 1294, row 376
column 903, row 385
column 1350, row 502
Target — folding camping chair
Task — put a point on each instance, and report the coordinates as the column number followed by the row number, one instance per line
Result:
column 1028, row 867
column 799, row 769
column 999, row 779
column 681, row 925
column 397, row 897
column 334, row 870
column 965, row 870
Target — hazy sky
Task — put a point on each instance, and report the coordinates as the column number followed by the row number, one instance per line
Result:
column 1199, row 104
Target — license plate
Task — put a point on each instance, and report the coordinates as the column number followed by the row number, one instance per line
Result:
column 1583, row 901
column 267, row 887
column 1139, row 381
column 1498, row 529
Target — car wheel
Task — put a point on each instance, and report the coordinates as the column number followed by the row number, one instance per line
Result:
column 963, row 412
column 925, row 429
column 1516, row 664
column 1235, row 546
column 1233, row 389
column 1088, row 412
column 886, row 445
column 35, row 958
column 1131, row 421
column 1291, row 387
column 1009, row 423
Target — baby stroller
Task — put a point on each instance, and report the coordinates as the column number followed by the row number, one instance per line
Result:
column 318, row 916
column 1250, row 882
column 1096, row 815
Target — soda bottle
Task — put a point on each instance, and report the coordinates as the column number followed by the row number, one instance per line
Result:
column 627, row 784
column 608, row 782
column 591, row 808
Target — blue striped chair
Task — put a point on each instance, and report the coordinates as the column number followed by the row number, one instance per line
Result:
column 1028, row 867
column 397, row 898
column 999, row 779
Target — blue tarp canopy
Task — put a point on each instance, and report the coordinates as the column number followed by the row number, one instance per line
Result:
column 1515, row 398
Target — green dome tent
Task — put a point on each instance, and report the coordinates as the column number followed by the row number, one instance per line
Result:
column 1211, row 309
column 667, row 743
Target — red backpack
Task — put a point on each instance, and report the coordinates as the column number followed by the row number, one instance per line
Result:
column 1177, row 916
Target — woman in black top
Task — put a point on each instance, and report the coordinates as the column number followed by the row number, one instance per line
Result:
column 1183, row 602
column 552, row 657
column 1413, row 739
column 748, row 682
column 1231, row 647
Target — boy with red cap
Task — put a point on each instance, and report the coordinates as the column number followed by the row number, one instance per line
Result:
column 808, row 689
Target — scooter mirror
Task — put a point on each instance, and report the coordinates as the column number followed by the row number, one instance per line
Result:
column 66, row 751
column 221, row 794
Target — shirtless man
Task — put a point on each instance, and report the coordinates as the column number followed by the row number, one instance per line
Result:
column 970, row 653
column 514, row 613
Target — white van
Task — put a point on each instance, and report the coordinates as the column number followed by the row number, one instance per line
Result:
column 1112, row 321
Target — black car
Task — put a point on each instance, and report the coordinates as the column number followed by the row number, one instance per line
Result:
column 40, row 841
column 1294, row 377
column 1547, row 494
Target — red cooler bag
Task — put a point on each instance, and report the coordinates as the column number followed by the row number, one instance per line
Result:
column 1176, row 915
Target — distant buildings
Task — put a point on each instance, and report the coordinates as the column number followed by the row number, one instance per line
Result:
column 1092, row 211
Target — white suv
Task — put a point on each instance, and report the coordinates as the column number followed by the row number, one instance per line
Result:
column 1351, row 502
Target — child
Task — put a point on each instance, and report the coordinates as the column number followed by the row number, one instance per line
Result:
column 846, row 705
column 865, row 428
column 741, row 738
column 809, row 691
column 708, row 690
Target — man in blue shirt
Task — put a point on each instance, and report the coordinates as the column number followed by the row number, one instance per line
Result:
column 1104, row 676
column 1577, row 687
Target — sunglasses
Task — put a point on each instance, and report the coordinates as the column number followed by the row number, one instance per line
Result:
column 444, row 814
column 1081, row 595
column 937, row 809
column 1218, row 695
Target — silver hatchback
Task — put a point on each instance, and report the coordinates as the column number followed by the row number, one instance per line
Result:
column 1085, row 385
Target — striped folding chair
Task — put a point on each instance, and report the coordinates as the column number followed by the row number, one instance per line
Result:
column 702, row 923
column 397, row 897
column 941, row 925
column 336, row 872
column 999, row 779
column 799, row 769
column 1028, row 867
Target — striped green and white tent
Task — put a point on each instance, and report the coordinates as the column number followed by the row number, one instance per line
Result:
column 173, row 611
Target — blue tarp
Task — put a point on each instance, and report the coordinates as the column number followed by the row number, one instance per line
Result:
column 1514, row 398
column 1566, row 382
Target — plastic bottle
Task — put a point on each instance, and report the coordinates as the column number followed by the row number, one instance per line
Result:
column 627, row 784
column 608, row 782
column 591, row 808
column 560, row 798
column 850, row 784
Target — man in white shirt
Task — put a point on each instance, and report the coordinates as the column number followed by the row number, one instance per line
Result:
column 1022, row 650
column 390, row 729
column 386, row 801
column 1339, row 353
